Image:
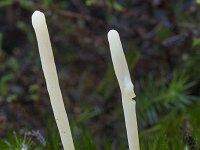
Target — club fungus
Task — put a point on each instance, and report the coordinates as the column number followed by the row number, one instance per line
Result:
column 51, row 77
column 126, row 87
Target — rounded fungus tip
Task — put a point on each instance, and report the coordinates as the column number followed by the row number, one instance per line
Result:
column 112, row 33
column 37, row 18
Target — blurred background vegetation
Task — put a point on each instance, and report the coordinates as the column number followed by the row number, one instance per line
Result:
column 161, row 40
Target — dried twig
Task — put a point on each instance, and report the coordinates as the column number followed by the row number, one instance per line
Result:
column 188, row 139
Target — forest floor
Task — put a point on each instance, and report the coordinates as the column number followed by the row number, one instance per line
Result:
column 161, row 43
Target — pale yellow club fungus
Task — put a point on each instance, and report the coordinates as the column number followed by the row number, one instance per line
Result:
column 51, row 77
column 126, row 87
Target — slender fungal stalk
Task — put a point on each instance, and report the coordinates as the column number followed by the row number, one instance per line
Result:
column 50, row 73
column 126, row 87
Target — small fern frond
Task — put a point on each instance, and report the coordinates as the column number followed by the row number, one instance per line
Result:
column 155, row 100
